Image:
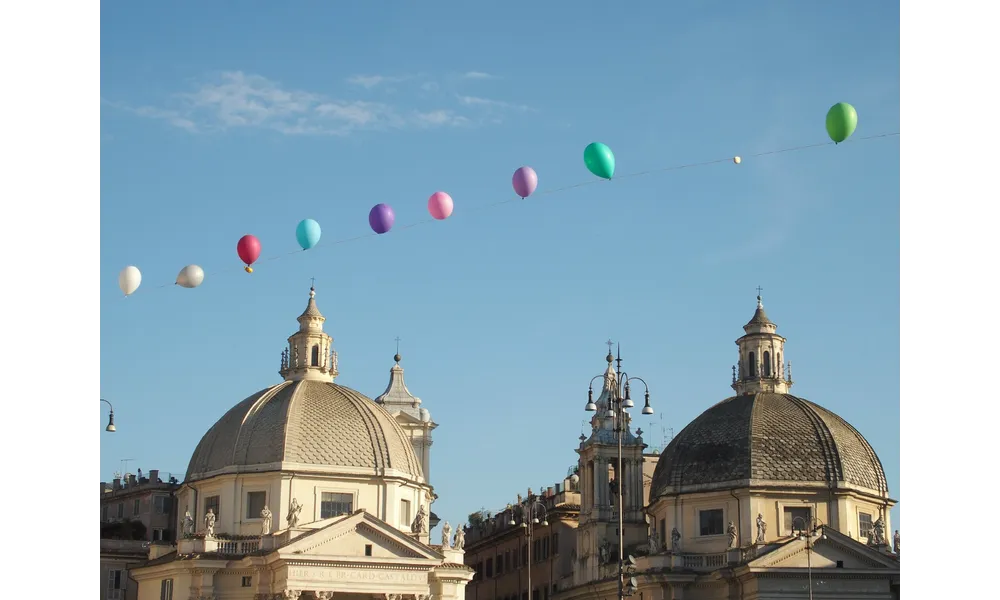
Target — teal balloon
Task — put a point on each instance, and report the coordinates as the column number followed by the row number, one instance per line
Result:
column 600, row 160
column 307, row 233
column 841, row 121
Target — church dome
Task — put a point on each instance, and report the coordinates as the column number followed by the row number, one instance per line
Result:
column 764, row 438
column 307, row 420
column 315, row 423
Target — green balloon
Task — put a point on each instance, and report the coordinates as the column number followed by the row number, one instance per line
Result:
column 600, row 160
column 841, row 121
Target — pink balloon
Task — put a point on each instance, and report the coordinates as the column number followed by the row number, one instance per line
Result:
column 440, row 205
column 525, row 181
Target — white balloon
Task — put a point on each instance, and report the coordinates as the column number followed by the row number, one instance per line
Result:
column 190, row 276
column 129, row 280
column 737, row 159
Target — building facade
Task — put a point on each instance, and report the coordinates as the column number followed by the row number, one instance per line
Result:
column 135, row 511
column 305, row 490
column 501, row 548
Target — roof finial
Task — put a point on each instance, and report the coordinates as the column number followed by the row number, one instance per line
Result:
column 759, row 303
column 610, row 357
column 397, row 358
column 312, row 287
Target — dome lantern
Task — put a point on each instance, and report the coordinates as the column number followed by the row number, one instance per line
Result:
column 310, row 355
column 761, row 355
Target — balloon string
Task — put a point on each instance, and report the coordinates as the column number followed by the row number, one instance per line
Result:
column 557, row 191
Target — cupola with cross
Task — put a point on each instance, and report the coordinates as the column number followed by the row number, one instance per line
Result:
column 761, row 352
column 310, row 355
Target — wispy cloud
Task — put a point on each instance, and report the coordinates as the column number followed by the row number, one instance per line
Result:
column 496, row 104
column 370, row 81
column 478, row 75
column 240, row 100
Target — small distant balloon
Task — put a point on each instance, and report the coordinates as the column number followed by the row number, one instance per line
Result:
column 308, row 233
column 248, row 248
column 841, row 121
column 129, row 280
column 381, row 218
column 190, row 276
column 440, row 205
column 600, row 160
column 737, row 159
column 525, row 181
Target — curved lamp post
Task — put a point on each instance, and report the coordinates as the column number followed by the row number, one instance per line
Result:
column 533, row 512
column 111, row 417
column 619, row 402
column 808, row 529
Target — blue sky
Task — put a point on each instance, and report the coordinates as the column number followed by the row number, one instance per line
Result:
column 228, row 118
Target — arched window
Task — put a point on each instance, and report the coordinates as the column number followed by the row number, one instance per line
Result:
column 752, row 365
column 767, row 364
column 315, row 356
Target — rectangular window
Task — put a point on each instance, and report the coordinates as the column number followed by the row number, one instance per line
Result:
column 489, row 567
column 121, row 510
column 663, row 532
column 499, row 565
column 405, row 516
column 798, row 518
column 157, row 534
column 136, row 505
column 167, row 589
column 368, row 549
column 506, row 561
column 115, row 581
column 864, row 525
column 710, row 522
column 212, row 502
column 104, row 512
column 161, row 504
column 255, row 504
column 555, row 543
column 247, row 581
column 333, row 504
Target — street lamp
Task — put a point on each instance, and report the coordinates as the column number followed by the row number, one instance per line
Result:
column 619, row 402
column 807, row 529
column 529, row 509
column 111, row 417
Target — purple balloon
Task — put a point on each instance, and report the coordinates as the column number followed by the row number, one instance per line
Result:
column 381, row 218
column 525, row 181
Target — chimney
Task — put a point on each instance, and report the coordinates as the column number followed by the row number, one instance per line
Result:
column 116, row 484
column 131, row 480
column 551, row 491
column 154, row 476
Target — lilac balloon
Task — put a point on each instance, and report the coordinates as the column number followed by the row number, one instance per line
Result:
column 525, row 181
column 381, row 218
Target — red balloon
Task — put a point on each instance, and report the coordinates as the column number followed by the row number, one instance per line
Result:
column 249, row 249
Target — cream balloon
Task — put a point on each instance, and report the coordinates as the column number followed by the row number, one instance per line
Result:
column 737, row 159
column 129, row 280
column 190, row 276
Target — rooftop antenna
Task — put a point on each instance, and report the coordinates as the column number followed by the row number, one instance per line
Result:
column 125, row 462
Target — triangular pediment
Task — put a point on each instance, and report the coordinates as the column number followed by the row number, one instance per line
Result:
column 834, row 551
column 353, row 537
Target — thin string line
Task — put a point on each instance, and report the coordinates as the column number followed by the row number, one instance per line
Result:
column 550, row 192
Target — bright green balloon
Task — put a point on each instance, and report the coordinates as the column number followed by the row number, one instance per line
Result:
column 841, row 121
column 600, row 160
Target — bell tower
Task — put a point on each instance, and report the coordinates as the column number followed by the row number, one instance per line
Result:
column 761, row 352
column 597, row 533
column 310, row 355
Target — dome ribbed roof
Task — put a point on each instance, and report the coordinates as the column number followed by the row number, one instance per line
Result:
column 756, row 438
column 315, row 423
